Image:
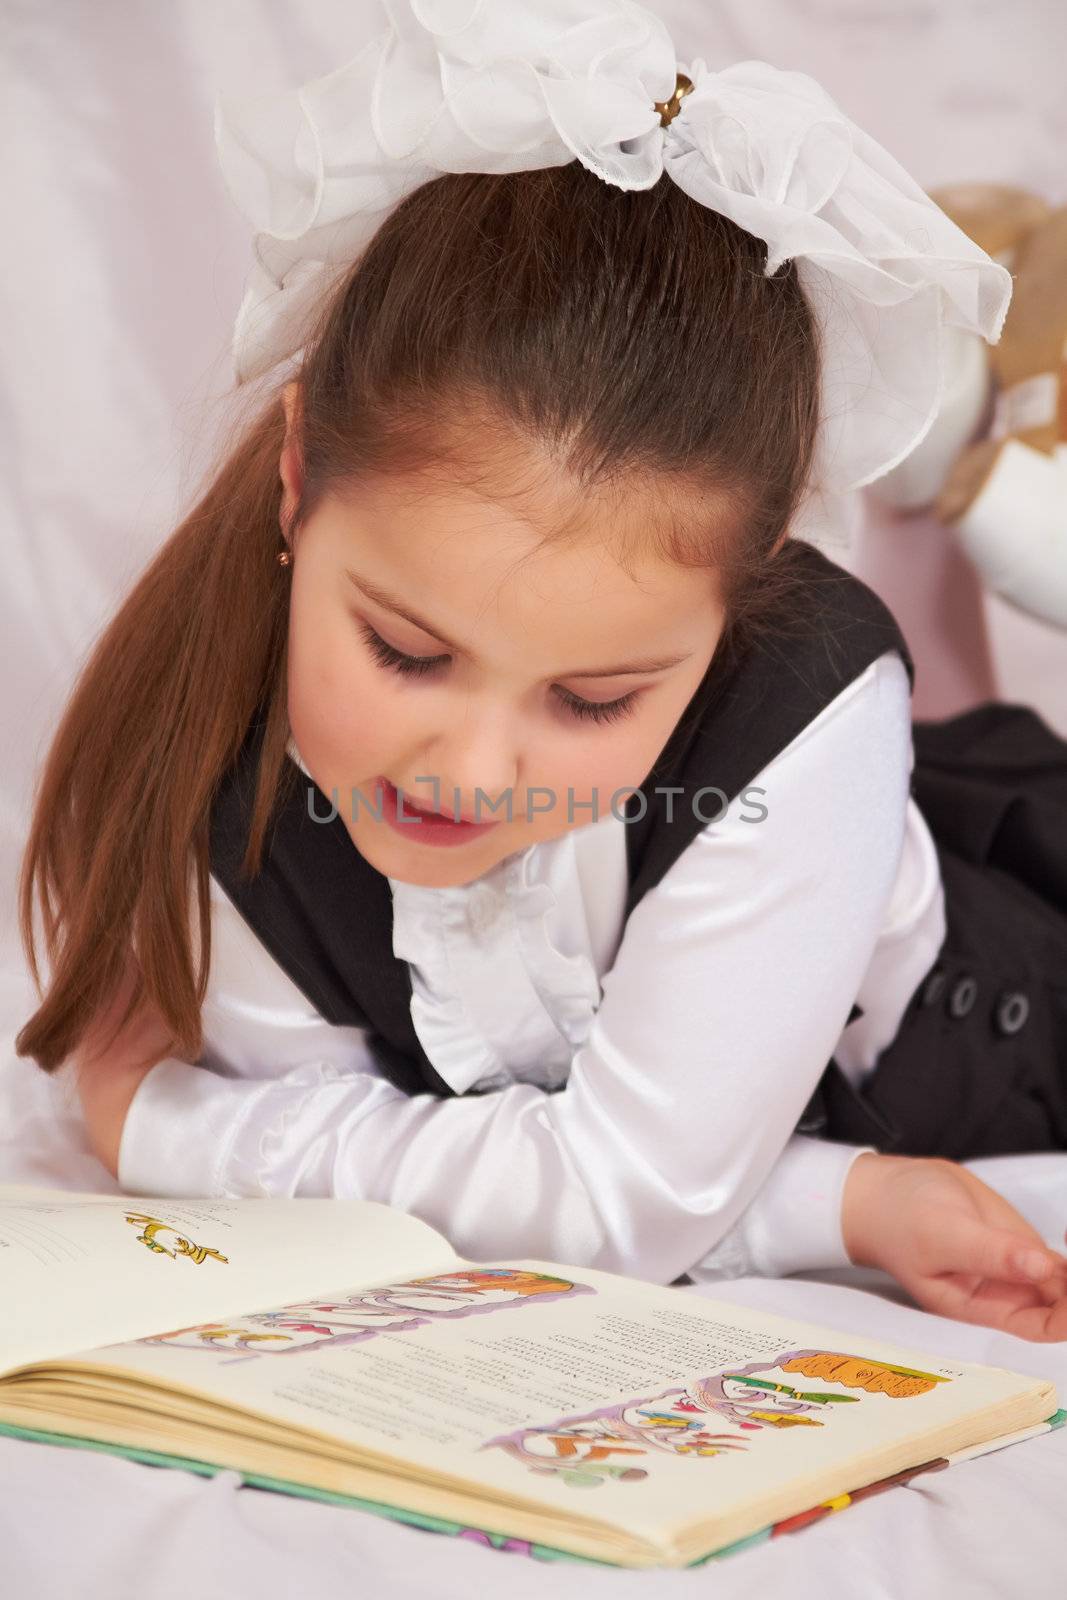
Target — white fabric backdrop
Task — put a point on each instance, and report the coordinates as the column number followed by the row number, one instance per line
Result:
column 123, row 265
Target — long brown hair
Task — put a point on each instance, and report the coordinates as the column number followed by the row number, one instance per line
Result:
column 633, row 335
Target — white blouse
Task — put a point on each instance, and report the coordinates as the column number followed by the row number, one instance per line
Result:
column 683, row 1046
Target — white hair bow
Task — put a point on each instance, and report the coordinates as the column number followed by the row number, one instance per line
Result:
column 506, row 85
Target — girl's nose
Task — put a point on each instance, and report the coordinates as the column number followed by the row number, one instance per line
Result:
column 476, row 764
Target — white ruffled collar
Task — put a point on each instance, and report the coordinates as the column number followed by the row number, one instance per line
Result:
column 504, row 981
column 505, row 970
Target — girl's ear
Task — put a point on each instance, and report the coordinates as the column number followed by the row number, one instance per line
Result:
column 291, row 463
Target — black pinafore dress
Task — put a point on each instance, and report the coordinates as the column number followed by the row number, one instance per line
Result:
column 979, row 1062
column 978, row 1065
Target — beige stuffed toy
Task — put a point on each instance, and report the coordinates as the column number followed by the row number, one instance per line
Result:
column 994, row 464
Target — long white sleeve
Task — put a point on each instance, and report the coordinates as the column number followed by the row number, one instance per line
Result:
column 795, row 1221
column 671, row 1148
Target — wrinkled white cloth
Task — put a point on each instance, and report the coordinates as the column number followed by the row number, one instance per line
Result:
column 511, row 85
column 683, row 1046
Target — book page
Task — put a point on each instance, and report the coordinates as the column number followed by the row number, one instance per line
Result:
column 77, row 1270
column 580, row 1390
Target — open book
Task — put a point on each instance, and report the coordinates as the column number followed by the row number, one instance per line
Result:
column 341, row 1349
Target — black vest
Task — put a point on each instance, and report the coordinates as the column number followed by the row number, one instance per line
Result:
column 325, row 914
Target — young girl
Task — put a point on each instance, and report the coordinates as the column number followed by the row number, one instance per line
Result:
column 548, row 807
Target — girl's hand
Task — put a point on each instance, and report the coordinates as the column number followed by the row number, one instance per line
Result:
column 108, row 1076
column 957, row 1246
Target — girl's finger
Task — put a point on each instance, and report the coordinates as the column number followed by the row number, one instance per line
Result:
column 1044, row 1324
column 1054, row 1287
column 1029, row 1311
column 968, row 1245
column 990, row 1302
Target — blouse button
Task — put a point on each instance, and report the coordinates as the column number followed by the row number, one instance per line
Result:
column 962, row 996
column 483, row 908
column 931, row 989
column 1013, row 1009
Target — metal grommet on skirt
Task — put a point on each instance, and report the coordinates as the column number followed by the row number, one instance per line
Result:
column 962, row 996
column 1012, row 1012
column 933, row 986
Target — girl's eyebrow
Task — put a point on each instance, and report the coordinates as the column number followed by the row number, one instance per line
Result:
column 390, row 603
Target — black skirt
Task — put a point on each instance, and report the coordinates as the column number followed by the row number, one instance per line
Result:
column 978, row 1066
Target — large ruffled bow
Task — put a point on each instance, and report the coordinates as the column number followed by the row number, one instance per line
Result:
column 505, row 85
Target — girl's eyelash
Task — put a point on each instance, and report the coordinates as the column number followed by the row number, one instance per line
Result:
column 592, row 711
column 419, row 666
column 386, row 656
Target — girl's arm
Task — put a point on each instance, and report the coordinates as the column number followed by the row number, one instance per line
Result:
column 110, row 1064
column 729, row 992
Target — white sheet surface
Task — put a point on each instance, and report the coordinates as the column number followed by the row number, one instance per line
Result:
column 122, row 272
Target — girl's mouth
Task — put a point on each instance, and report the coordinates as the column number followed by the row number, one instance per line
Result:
column 422, row 825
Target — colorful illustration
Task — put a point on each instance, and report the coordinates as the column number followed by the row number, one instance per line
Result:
column 153, row 1226
column 397, row 1308
column 587, row 1451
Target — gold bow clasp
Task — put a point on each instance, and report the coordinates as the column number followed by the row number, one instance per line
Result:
column 669, row 109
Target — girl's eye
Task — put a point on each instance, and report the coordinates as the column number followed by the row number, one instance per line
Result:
column 590, row 710
column 386, row 656
column 419, row 666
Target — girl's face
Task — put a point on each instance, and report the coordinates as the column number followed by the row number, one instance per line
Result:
column 550, row 677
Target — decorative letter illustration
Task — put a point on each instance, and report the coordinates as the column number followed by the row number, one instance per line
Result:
column 398, row 1308
column 181, row 1246
column 584, row 1451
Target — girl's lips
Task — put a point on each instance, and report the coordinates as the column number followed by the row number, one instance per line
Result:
column 427, row 827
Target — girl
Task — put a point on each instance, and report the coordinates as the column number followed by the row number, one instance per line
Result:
column 545, row 802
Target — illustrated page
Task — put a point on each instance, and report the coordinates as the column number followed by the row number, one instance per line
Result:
column 78, row 1270
column 648, row 1407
